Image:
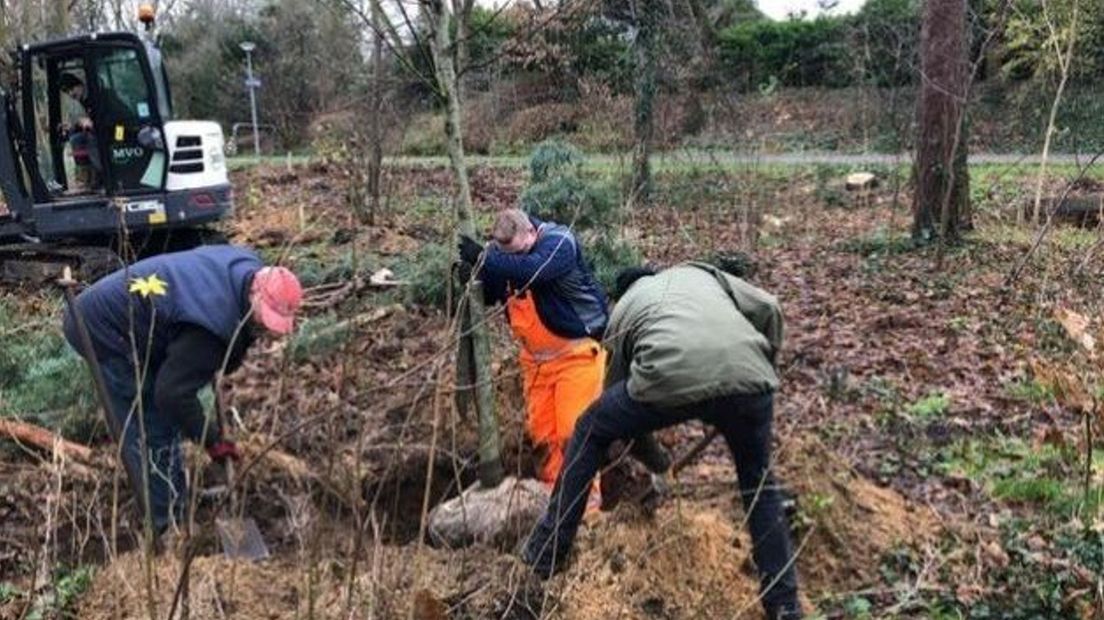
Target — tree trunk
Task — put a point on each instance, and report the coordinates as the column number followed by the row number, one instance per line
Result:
column 59, row 18
column 375, row 129
column 491, row 472
column 706, row 30
column 649, row 15
column 942, row 178
column 1064, row 60
column 463, row 10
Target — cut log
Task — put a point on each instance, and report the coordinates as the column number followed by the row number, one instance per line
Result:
column 43, row 439
column 861, row 180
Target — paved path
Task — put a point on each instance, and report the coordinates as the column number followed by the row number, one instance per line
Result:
column 689, row 158
column 731, row 158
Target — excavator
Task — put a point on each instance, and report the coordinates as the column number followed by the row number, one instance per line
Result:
column 93, row 165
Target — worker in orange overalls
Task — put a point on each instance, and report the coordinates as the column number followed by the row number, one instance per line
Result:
column 557, row 311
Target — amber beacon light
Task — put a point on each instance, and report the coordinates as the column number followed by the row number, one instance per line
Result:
column 146, row 14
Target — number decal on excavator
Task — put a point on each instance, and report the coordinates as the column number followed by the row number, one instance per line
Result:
column 155, row 209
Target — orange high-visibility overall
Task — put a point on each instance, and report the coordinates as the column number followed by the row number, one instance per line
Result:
column 562, row 377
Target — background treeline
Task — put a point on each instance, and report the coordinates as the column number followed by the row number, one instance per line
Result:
column 728, row 76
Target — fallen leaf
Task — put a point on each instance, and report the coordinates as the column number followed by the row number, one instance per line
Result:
column 1077, row 328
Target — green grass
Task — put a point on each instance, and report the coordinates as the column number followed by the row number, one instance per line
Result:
column 1013, row 470
column 1029, row 390
column 879, row 243
column 932, row 406
column 42, row 379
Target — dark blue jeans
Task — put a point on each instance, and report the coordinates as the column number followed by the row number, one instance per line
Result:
column 745, row 422
column 165, row 483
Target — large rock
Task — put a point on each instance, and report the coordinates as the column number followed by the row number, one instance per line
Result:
column 500, row 516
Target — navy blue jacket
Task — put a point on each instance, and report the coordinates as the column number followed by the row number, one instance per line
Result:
column 569, row 301
column 206, row 287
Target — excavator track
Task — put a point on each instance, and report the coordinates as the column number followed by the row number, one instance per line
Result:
column 37, row 264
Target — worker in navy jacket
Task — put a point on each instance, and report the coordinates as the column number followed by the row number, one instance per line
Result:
column 161, row 330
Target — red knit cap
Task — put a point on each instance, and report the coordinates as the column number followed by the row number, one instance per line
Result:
column 277, row 295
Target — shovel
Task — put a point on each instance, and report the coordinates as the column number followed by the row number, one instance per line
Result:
column 240, row 537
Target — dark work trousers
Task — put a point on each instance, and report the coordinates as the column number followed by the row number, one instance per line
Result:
column 745, row 422
column 165, row 484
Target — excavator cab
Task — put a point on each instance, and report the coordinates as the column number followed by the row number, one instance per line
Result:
column 90, row 149
column 98, row 110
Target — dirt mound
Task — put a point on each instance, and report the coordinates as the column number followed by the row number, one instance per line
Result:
column 850, row 523
column 694, row 559
column 393, row 582
column 686, row 563
column 219, row 587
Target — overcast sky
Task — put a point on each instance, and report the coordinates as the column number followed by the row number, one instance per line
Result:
column 779, row 9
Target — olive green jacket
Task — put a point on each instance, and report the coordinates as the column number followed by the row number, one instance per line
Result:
column 677, row 337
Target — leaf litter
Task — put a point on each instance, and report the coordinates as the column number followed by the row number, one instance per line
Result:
column 867, row 330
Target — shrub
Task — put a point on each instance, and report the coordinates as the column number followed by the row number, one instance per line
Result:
column 427, row 273
column 543, row 121
column 554, row 158
column 558, row 191
column 425, row 136
column 571, row 201
column 317, row 336
column 315, row 267
column 795, row 52
column 609, row 255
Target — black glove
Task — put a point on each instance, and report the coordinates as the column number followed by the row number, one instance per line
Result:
column 463, row 272
column 469, row 250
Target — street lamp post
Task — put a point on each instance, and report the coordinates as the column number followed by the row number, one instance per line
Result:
column 252, row 84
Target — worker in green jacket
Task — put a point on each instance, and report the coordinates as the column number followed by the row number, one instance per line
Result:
column 690, row 342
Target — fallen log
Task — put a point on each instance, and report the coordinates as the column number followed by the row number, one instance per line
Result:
column 43, row 439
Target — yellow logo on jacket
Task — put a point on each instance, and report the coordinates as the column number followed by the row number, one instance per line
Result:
column 150, row 285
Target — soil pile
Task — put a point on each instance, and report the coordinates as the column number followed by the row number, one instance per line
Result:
column 849, row 522
column 394, row 582
column 686, row 563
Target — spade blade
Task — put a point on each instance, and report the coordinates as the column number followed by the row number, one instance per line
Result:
column 241, row 539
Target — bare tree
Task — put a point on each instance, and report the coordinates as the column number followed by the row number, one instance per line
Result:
column 375, row 120
column 1064, row 58
column 437, row 13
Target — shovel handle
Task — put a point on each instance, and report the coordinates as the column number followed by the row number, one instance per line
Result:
column 228, row 463
column 695, row 450
column 683, row 460
column 114, row 426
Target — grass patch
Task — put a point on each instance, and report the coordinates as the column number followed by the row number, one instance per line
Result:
column 1012, row 470
column 934, row 405
column 879, row 243
column 42, row 380
column 1030, row 391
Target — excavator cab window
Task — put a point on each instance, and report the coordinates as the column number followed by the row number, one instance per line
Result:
column 128, row 114
column 61, row 116
column 46, row 128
